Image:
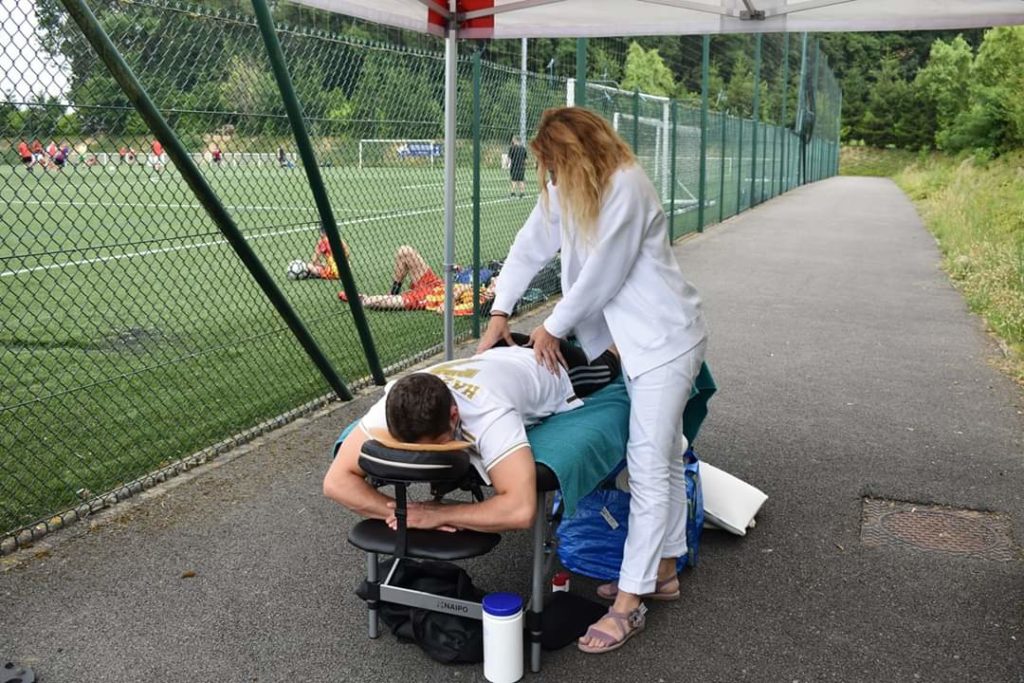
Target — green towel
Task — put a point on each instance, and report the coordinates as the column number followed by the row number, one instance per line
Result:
column 583, row 447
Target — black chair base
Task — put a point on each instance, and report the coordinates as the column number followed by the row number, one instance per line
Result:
column 376, row 539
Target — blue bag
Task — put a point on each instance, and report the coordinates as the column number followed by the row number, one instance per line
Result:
column 591, row 541
column 464, row 276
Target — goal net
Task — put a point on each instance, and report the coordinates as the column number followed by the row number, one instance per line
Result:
column 645, row 122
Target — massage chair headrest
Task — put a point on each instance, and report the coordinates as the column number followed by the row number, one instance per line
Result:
column 385, row 458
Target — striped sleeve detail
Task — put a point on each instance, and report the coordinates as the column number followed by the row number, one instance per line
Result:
column 507, row 452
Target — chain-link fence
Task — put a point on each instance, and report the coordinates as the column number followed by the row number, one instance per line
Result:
column 133, row 338
column 745, row 146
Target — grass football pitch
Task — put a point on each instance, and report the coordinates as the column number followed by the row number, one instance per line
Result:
column 132, row 335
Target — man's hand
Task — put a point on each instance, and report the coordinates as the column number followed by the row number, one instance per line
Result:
column 546, row 349
column 426, row 515
column 497, row 329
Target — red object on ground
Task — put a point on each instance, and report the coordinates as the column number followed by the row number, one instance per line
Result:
column 560, row 582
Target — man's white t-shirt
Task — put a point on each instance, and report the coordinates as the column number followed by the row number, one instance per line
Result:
column 499, row 393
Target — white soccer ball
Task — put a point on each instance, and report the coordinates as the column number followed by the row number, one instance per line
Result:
column 298, row 270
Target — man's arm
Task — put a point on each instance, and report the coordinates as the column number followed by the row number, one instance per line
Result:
column 512, row 506
column 346, row 483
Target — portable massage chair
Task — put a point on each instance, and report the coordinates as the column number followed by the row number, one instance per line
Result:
column 446, row 468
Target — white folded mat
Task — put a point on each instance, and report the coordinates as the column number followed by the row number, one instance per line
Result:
column 729, row 502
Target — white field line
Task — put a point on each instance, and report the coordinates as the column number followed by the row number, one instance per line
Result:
column 157, row 205
column 489, row 183
column 212, row 243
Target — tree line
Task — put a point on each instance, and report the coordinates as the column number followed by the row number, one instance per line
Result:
column 206, row 69
column 205, row 66
column 953, row 92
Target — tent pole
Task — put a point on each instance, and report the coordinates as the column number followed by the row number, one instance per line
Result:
column 316, row 184
column 476, row 188
column 79, row 11
column 451, row 63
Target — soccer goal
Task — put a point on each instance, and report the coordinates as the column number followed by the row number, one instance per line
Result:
column 396, row 151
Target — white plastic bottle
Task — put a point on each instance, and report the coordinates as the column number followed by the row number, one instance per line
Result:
column 503, row 637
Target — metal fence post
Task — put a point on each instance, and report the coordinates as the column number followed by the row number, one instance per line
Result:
column 672, row 189
column 739, row 168
column 839, row 132
column 476, row 189
column 316, row 183
column 722, row 119
column 756, row 117
column 783, row 129
column 705, row 52
column 581, row 72
column 522, row 92
column 636, row 122
column 766, row 129
column 802, row 159
column 122, row 73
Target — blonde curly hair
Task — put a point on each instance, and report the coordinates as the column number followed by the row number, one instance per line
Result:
column 582, row 151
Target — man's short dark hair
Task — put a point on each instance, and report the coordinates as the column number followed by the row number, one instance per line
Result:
column 418, row 407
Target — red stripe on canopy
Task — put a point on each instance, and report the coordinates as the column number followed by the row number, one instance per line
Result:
column 480, row 25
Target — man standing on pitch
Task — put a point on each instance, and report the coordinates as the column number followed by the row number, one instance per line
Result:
column 517, row 166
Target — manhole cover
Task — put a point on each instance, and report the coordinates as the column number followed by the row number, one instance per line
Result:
column 932, row 528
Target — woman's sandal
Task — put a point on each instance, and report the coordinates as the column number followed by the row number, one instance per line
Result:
column 629, row 625
column 609, row 591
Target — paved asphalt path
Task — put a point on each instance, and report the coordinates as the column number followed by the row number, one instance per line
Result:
column 848, row 368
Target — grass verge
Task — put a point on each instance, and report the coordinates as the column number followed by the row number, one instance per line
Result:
column 868, row 161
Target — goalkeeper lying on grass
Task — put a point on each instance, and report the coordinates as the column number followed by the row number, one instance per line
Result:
column 426, row 289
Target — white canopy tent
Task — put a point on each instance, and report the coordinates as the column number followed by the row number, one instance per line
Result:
column 579, row 18
column 481, row 19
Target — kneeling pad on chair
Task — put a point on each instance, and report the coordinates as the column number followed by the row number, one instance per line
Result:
column 386, row 458
column 374, row 536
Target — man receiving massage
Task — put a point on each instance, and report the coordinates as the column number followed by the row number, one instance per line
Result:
column 487, row 400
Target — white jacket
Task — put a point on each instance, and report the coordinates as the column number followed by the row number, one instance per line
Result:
column 626, row 286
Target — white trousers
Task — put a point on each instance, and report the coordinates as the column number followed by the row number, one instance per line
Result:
column 654, row 455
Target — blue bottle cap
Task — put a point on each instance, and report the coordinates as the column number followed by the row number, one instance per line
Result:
column 502, row 604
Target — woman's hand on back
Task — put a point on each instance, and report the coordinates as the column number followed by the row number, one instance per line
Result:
column 497, row 329
column 546, row 349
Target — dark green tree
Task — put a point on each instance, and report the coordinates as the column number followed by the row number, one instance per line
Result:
column 885, row 122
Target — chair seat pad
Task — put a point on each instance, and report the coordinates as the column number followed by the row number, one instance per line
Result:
column 374, row 536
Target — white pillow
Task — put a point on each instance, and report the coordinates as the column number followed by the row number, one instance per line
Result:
column 729, row 502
